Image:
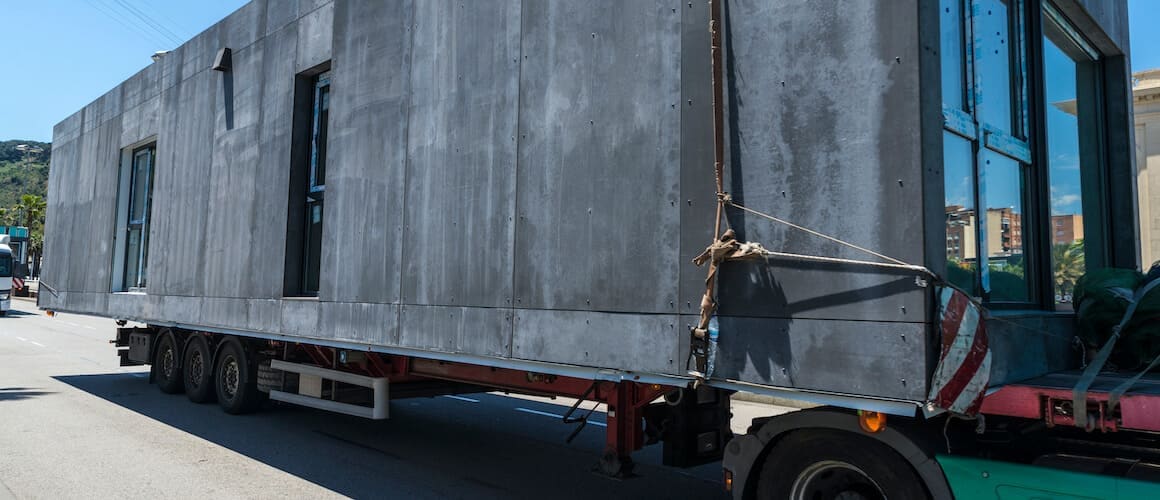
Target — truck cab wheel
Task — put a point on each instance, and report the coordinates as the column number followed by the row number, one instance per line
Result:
column 198, row 370
column 236, row 379
column 836, row 465
column 167, row 365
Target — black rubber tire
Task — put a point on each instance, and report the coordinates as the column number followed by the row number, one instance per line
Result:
column 796, row 453
column 197, row 369
column 234, row 369
column 167, row 365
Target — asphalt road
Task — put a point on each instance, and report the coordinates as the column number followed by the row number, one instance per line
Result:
column 74, row 424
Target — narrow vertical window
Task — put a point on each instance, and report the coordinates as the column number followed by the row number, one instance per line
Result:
column 316, row 190
column 307, row 194
column 1071, row 126
column 139, row 202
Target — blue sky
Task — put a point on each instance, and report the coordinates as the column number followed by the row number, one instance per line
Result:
column 62, row 54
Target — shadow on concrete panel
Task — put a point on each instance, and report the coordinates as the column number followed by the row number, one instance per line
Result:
column 429, row 448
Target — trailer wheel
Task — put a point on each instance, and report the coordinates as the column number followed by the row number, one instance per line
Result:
column 810, row 464
column 167, row 365
column 236, row 379
column 198, row 369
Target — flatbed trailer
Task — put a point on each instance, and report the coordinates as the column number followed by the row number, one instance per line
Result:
column 429, row 198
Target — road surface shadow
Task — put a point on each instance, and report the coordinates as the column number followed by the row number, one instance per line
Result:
column 18, row 393
column 16, row 313
column 429, row 448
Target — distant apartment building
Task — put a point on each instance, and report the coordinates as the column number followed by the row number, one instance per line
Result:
column 1146, row 101
column 961, row 233
column 1004, row 232
column 1066, row 228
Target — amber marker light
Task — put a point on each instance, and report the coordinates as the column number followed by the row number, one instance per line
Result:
column 50, row 313
column 728, row 480
column 872, row 421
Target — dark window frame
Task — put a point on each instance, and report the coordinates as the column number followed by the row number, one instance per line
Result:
column 138, row 272
column 307, row 187
column 1037, row 227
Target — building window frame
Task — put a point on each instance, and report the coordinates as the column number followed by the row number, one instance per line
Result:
column 1025, row 143
column 307, row 195
column 134, row 217
column 969, row 121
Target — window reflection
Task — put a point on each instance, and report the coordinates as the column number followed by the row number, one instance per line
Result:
column 953, row 59
column 1002, row 186
column 993, row 57
column 961, row 223
column 1065, row 106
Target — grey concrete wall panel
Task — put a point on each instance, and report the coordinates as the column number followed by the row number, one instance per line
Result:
column 181, row 194
column 79, row 202
column 172, row 65
column 182, row 309
column 140, row 122
column 1024, row 347
column 231, row 214
column 69, row 128
column 222, row 312
column 375, row 324
column 640, row 342
column 127, row 305
column 197, row 55
column 101, row 110
column 300, row 317
column 280, row 13
column 58, row 217
column 1104, row 22
column 265, row 261
column 826, row 355
column 101, row 230
column 307, row 6
column 461, row 168
column 367, row 156
column 264, row 315
column 698, row 199
column 472, row 330
column 824, row 124
column 243, row 27
column 598, row 221
column 141, row 87
column 773, row 288
column 315, row 37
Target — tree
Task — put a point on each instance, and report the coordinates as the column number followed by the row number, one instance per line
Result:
column 1067, row 265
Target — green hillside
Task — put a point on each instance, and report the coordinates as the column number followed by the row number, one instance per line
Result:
column 23, row 172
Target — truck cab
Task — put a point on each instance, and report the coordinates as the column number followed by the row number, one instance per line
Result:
column 5, row 276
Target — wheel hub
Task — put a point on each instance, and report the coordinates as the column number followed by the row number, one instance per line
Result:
column 230, row 378
column 835, row 480
column 196, row 369
column 167, row 362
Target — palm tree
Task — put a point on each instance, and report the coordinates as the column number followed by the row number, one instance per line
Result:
column 1068, row 265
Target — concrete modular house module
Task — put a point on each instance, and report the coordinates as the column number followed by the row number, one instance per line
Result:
column 526, row 182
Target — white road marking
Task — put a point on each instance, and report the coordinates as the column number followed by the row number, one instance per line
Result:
column 461, row 398
column 22, row 339
column 33, row 342
column 546, row 414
